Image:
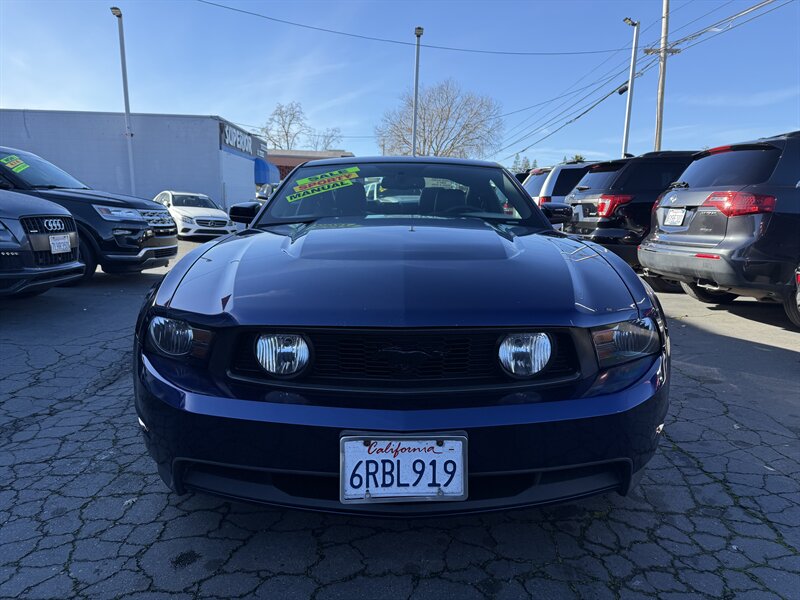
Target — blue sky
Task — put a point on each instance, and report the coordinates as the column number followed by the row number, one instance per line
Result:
column 187, row 57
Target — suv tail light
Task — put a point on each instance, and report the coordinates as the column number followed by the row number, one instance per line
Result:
column 734, row 204
column 608, row 203
column 543, row 199
column 657, row 203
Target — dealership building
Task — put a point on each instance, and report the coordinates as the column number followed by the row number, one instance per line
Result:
column 204, row 154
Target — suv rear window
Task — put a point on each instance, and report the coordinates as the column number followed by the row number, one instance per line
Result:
column 651, row 176
column 599, row 177
column 567, row 179
column 736, row 167
column 533, row 184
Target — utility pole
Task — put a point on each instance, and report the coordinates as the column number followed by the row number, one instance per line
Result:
column 662, row 74
column 417, row 32
column 128, row 131
column 631, row 78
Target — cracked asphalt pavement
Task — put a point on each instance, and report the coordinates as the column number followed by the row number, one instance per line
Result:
column 84, row 514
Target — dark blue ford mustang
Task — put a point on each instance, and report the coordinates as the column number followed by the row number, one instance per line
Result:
column 401, row 336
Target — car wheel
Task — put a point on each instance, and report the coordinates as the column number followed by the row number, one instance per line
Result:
column 792, row 302
column 668, row 286
column 87, row 257
column 707, row 296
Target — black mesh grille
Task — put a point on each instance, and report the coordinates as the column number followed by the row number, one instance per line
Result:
column 55, row 224
column 410, row 358
column 165, row 252
column 43, row 258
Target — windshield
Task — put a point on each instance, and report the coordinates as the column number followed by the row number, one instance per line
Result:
column 599, row 177
column 567, row 179
column 533, row 184
column 735, row 167
column 404, row 188
column 37, row 172
column 187, row 200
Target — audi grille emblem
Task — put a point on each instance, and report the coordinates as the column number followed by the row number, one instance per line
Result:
column 54, row 224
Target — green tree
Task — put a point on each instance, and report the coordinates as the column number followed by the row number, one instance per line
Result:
column 578, row 158
column 515, row 166
column 526, row 164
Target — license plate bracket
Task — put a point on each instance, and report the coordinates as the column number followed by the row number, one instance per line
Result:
column 59, row 244
column 377, row 467
column 675, row 217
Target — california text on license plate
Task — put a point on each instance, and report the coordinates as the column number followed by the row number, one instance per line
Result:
column 674, row 216
column 402, row 468
column 59, row 244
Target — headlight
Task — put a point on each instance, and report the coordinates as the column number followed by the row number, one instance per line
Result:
column 525, row 354
column 113, row 213
column 626, row 341
column 187, row 220
column 282, row 354
column 171, row 336
column 5, row 234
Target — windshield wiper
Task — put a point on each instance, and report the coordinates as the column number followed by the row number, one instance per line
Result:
column 51, row 186
column 581, row 188
column 678, row 184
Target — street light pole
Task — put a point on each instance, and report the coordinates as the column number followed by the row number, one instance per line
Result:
column 128, row 131
column 417, row 32
column 662, row 74
column 631, row 78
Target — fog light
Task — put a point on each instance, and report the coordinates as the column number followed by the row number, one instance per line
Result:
column 281, row 353
column 122, row 232
column 525, row 354
column 171, row 336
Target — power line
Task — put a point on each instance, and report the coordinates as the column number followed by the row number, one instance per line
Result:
column 404, row 43
column 653, row 62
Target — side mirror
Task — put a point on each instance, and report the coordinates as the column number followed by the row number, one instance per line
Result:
column 556, row 212
column 244, row 212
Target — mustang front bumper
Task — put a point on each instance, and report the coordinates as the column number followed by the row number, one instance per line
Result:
column 288, row 454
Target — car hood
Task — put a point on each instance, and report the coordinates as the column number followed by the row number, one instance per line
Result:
column 413, row 272
column 196, row 211
column 14, row 206
column 98, row 197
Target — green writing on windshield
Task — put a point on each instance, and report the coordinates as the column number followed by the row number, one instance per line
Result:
column 324, row 182
column 14, row 163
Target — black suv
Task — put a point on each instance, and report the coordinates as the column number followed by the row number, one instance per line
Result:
column 612, row 202
column 731, row 226
column 120, row 233
column 38, row 245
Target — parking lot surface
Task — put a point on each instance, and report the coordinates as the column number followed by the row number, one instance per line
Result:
column 84, row 514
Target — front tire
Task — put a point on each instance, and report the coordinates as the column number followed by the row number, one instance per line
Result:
column 87, row 257
column 707, row 296
column 791, row 304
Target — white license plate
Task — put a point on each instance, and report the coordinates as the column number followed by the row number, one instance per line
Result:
column 675, row 216
column 402, row 468
column 59, row 244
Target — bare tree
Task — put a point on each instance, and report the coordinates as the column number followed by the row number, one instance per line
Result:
column 451, row 122
column 286, row 126
column 324, row 139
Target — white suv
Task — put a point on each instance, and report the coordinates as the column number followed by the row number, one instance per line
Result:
column 553, row 184
column 195, row 214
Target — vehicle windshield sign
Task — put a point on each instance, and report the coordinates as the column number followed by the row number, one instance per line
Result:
column 367, row 190
column 37, row 172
